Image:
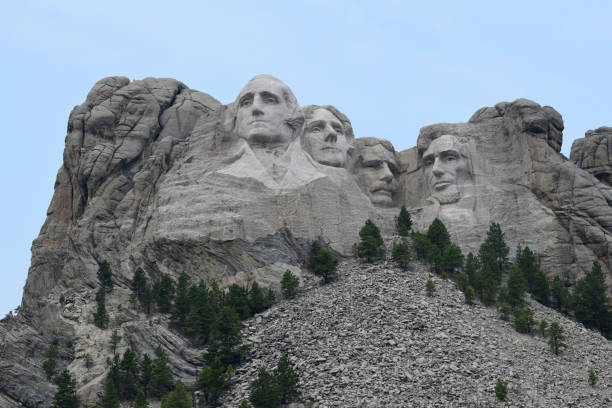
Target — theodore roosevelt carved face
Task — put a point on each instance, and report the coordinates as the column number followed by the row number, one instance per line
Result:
column 325, row 136
column 375, row 169
column 447, row 168
column 267, row 113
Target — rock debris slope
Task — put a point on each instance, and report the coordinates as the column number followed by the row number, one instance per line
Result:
column 374, row 339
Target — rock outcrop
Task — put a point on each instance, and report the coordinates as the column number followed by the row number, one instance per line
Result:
column 163, row 177
column 593, row 154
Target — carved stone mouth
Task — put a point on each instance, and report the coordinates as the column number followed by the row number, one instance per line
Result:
column 383, row 191
column 441, row 185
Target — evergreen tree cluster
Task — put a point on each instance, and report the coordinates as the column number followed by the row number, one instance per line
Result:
column 435, row 248
column 271, row 390
column 371, row 246
column 195, row 309
column 322, row 263
column 131, row 378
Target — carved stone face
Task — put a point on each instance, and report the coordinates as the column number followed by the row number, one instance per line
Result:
column 263, row 112
column 446, row 169
column 375, row 173
column 324, row 138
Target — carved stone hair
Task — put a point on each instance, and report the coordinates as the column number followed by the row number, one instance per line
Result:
column 344, row 120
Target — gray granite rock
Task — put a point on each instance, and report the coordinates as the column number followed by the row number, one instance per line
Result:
column 592, row 153
column 159, row 176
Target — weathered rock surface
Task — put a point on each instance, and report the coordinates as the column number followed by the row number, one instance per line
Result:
column 592, row 153
column 163, row 177
column 521, row 181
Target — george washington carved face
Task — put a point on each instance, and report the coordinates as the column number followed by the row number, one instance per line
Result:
column 265, row 112
column 447, row 168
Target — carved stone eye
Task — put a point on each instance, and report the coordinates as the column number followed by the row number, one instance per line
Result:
column 315, row 129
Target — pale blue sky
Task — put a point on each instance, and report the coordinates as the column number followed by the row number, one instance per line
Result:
column 391, row 66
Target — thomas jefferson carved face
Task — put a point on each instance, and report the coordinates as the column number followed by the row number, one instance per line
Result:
column 375, row 170
column 324, row 138
column 264, row 112
column 447, row 169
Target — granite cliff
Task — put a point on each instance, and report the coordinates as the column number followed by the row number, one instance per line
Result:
column 159, row 176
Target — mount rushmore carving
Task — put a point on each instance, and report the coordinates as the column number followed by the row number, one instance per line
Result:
column 152, row 165
column 163, row 177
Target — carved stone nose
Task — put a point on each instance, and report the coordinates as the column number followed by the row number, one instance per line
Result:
column 331, row 138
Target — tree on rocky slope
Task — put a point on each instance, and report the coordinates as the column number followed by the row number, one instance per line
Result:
column 322, row 263
column 401, row 254
column 438, row 234
column 179, row 397
column 105, row 276
column 100, row 316
column 371, row 246
column 163, row 293
column 591, row 302
column 556, row 337
column 161, row 380
column 404, row 222
column 65, row 397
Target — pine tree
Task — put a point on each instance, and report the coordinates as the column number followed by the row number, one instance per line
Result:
column 452, row 258
column 287, row 380
column 105, row 276
column 115, row 339
column 420, row 245
column 265, row 391
column 516, row 286
column 591, row 303
column 504, row 310
column 146, row 371
column 430, row 287
column 593, row 378
column 100, row 316
column 501, row 389
column 401, row 254
column 371, row 246
column 524, row 320
column 472, row 268
column 495, row 244
column 560, row 295
column 110, row 398
column 543, row 326
column 404, row 222
column 201, row 317
column 556, row 337
column 146, row 299
column 526, row 261
column 127, row 387
column 179, row 397
column 256, row 299
column 213, row 380
column 140, row 401
column 289, row 284
column 180, row 308
column 227, row 342
column 270, row 298
column 541, row 287
column 139, row 281
column 65, row 397
column 161, row 377
column 322, row 263
column 434, row 257
column 438, row 235
column 469, row 295
column 50, row 363
column 163, row 293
